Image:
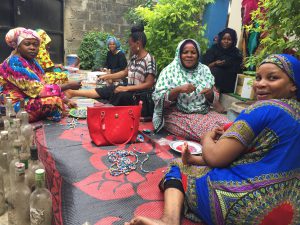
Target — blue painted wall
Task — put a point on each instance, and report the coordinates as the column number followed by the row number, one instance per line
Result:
column 215, row 16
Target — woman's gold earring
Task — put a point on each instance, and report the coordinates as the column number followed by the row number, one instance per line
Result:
column 138, row 48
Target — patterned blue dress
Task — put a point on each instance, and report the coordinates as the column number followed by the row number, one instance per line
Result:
column 262, row 186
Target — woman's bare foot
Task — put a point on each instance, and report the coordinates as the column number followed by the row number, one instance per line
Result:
column 186, row 155
column 145, row 221
column 218, row 107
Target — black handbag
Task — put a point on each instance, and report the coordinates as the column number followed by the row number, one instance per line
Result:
column 148, row 105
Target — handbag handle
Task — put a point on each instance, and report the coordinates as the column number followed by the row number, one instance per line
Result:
column 102, row 129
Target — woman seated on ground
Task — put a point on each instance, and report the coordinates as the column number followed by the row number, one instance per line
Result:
column 251, row 173
column 22, row 79
column 140, row 73
column 53, row 72
column 183, row 95
column 115, row 58
column 224, row 61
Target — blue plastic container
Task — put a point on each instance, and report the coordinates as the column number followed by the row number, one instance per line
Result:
column 71, row 59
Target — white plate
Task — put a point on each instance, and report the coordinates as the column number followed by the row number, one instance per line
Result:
column 70, row 68
column 102, row 73
column 194, row 147
column 84, row 102
column 96, row 73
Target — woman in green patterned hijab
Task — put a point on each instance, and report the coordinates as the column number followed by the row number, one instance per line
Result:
column 183, row 95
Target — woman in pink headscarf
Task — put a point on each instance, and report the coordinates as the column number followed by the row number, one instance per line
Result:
column 22, row 79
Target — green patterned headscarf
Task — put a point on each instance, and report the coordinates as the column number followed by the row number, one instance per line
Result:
column 175, row 75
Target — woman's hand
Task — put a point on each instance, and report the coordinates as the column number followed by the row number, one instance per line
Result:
column 219, row 62
column 70, row 103
column 105, row 77
column 218, row 152
column 121, row 89
column 216, row 63
column 187, row 88
column 208, row 93
column 60, row 66
column 215, row 134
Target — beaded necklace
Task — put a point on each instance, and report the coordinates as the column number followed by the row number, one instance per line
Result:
column 122, row 164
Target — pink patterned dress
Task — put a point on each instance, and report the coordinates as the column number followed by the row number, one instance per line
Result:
column 23, row 80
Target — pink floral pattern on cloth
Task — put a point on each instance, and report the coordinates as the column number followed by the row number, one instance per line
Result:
column 23, row 79
column 50, row 90
column 49, row 108
column 192, row 126
column 15, row 36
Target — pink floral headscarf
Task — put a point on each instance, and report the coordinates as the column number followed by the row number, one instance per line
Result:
column 15, row 36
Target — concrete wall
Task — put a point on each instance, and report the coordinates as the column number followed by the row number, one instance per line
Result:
column 235, row 18
column 86, row 15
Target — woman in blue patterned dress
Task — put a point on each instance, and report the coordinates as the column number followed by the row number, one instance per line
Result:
column 249, row 175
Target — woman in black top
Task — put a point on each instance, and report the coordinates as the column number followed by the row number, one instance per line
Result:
column 115, row 59
column 224, row 60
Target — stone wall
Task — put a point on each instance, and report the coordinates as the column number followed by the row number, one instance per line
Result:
column 82, row 16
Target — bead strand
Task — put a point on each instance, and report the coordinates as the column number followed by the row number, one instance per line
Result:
column 121, row 164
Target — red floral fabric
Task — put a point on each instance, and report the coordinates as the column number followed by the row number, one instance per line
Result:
column 84, row 190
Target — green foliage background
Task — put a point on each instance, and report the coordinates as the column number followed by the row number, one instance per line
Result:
column 92, row 51
column 279, row 27
column 169, row 22
column 132, row 17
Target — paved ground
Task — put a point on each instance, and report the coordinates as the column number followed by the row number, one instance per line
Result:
column 4, row 219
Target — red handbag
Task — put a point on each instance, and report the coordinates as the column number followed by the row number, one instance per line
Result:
column 113, row 125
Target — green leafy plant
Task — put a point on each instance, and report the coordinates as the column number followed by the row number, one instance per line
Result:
column 132, row 17
column 170, row 21
column 92, row 51
column 278, row 24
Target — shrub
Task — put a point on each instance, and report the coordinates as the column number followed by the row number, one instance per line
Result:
column 278, row 24
column 132, row 17
column 92, row 51
column 170, row 21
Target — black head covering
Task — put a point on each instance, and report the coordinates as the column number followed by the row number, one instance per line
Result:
column 233, row 35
